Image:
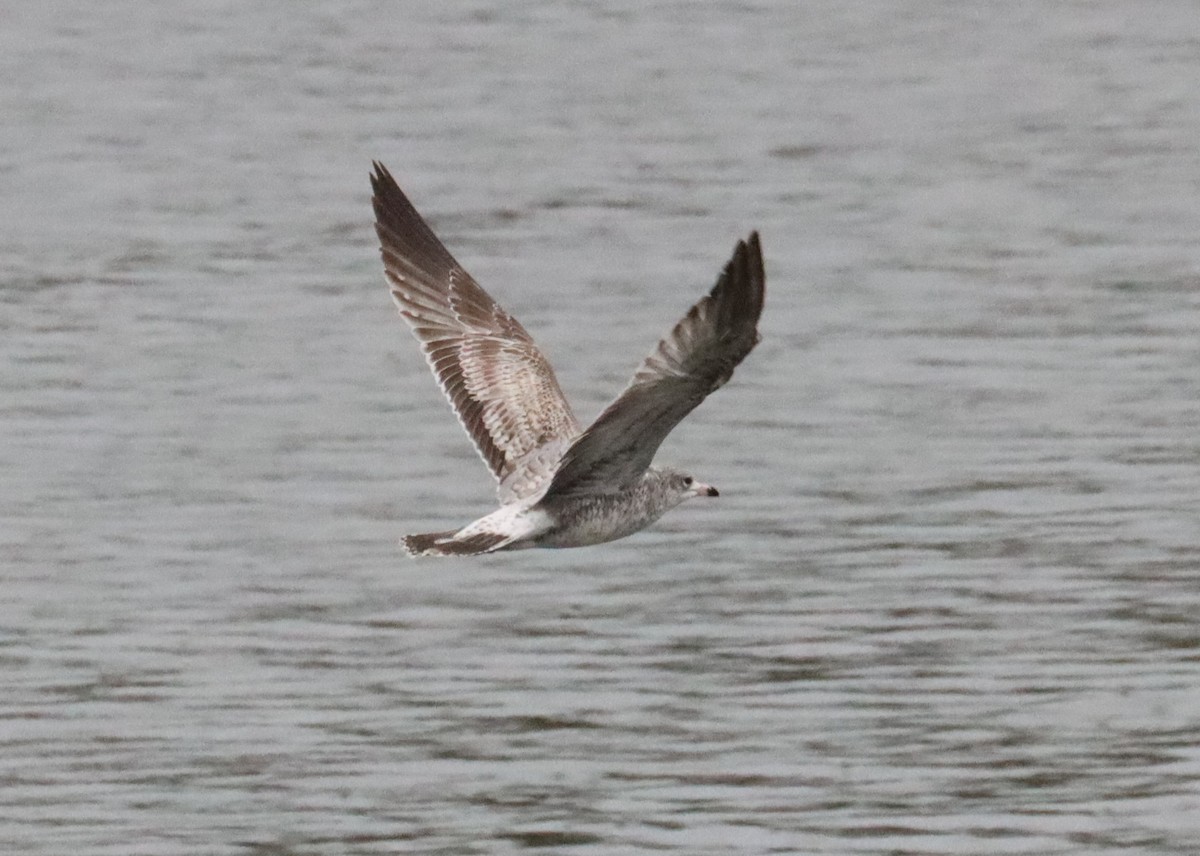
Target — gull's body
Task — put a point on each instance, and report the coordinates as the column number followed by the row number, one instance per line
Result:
column 559, row 485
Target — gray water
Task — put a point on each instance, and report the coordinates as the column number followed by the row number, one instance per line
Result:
column 948, row 602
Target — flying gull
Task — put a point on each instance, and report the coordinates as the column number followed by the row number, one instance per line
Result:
column 559, row 484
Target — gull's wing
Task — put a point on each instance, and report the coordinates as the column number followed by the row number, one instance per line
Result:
column 497, row 381
column 693, row 360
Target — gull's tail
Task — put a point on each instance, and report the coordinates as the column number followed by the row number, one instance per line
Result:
column 446, row 544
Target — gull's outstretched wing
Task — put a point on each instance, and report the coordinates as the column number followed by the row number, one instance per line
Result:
column 497, row 381
column 696, row 358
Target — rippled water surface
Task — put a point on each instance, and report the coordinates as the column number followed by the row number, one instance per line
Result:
column 948, row 602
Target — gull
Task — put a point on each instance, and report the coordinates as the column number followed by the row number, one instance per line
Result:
column 558, row 484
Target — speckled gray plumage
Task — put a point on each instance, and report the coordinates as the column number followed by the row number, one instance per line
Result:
column 582, row 519
column 558, row 485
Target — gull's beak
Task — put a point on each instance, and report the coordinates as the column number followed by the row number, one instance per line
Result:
column 702, row 489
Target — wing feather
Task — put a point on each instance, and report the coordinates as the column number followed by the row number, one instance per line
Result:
column 500, row 385
column 696, row 358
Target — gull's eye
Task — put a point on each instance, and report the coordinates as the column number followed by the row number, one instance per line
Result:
column 687, row 481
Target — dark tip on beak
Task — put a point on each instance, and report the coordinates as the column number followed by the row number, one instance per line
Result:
column 712, row 491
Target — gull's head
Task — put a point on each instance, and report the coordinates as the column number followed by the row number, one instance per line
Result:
column 686, row 487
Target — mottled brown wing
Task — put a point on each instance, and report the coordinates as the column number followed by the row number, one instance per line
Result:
column 697, row 357
column 501, row 387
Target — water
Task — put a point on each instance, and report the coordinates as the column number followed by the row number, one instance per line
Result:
column 947, row 603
